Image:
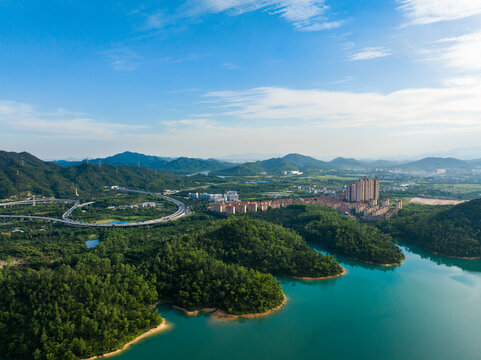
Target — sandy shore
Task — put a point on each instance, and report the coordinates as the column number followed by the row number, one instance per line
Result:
column 195, row 312
column 389, row 265
column 424, row 201
column 344, row 272
column 151, row 332
column 222, row 315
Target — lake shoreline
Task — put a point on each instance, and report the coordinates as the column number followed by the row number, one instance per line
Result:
column 385, row 265
column 307, row 278
column 393, row 264
column 459, row 257
column 219, row 314
column 163, row 326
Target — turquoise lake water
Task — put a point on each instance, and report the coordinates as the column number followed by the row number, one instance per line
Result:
column 92, row 243
column 428, row 308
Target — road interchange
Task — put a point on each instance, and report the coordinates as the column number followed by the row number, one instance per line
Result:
column 182, row 210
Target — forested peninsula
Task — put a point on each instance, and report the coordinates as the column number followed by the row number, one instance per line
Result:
column 65, row 301
column 337, row 233
column 445, row 230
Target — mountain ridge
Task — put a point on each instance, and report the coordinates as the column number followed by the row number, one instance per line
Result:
column 180, row 165
column 23, row 173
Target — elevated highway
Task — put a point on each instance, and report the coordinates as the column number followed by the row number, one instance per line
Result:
column 182, row 210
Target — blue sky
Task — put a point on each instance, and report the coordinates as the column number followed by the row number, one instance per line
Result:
column 365, row 78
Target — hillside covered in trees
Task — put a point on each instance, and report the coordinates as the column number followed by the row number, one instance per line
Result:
column 181, row 165
column 276, row 166
column 62, row 300
column 265, row 247
column 337, row 233
column 451, row 231
column 73, row 312
column 22, row 173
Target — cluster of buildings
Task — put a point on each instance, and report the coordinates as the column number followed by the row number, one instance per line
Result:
column 372, row 211
column 362, row 199
column 228, row 196
column 314, row 189
column 293, row 172
column 363, row 190
column 241, row 207
column 147, row 204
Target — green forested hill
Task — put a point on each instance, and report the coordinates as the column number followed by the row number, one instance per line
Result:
column 451, row 231
column 265, row 247
column 61, row 300
column 184, row 165
column 337, row 233
column 73, row 312
column 181, row 165
column 276, row 166
column 22, row 173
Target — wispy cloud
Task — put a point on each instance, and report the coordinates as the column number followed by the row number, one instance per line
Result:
column 191, row 123
column 370, row 53
column 230, row 66
column 431, row 11
column 122, row 59
column 450, row 106
column 305, row 15
column 23, row 117
column 156, row 20
column 462, row 53
column 343, row 80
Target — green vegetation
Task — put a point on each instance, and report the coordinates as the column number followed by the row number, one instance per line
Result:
column 337, row 233
column 51, row 210
column 266, row 247
column 63, row 300
column 276, row 166
column 99, row 210
column 22, row 173
column 73, row 312
column 193, row 279
column 181, row 165
column 445, row 230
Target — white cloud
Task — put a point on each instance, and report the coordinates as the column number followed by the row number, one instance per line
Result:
column 306, row 15
column 456, row 107
column 22, row 117
column 122, row 59
column 155, row 21
column 192, row 123
column 370, row 53
column 430, row 11
column 462, row 53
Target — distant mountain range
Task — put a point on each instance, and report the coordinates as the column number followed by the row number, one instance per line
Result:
column 426, row 164
column 181, row 165
column 276, row 165
column 23, row 172
column 309, row 164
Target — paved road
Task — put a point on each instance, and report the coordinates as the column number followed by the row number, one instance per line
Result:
column 182, row 210
column 37, row 201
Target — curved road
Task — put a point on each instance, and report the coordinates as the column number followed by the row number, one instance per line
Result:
column 182, row 210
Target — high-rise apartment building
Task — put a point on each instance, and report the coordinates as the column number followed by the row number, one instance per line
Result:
column 363, row 190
